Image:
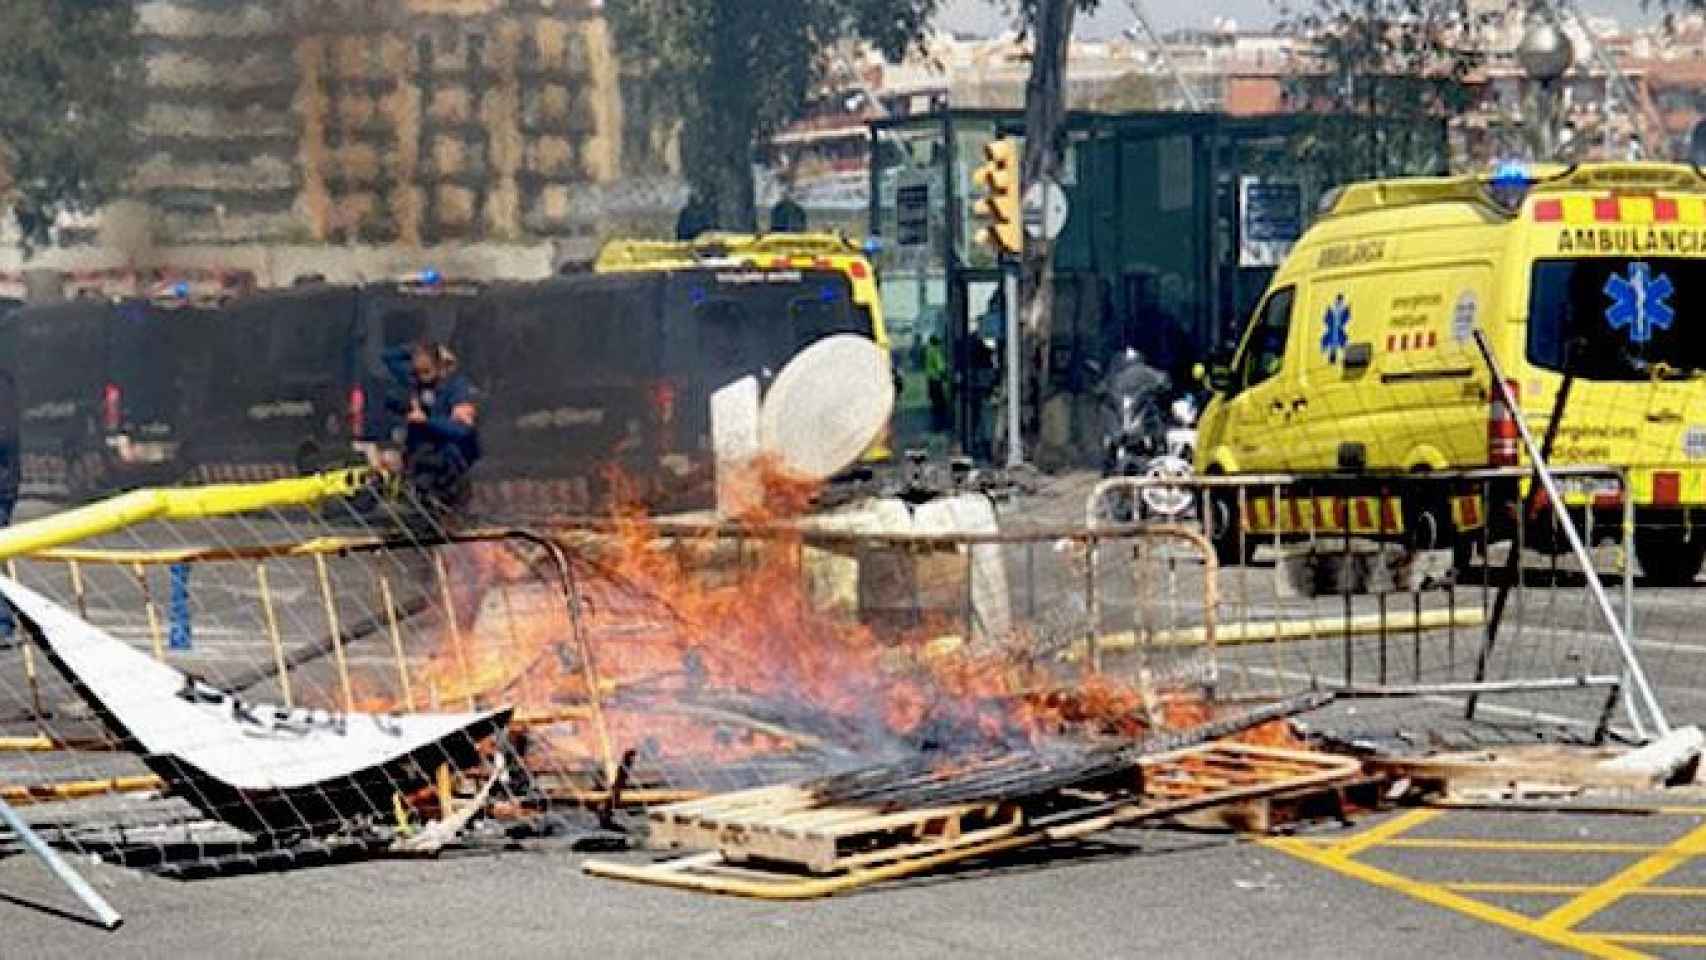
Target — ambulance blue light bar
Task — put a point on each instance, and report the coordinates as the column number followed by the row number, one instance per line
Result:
column 1510, row 183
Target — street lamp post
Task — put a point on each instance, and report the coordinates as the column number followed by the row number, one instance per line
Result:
column 1545, row 55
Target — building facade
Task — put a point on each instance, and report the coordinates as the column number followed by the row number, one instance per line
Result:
column 379, row 121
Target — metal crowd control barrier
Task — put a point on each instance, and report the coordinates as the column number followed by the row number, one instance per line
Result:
column 645, row 661
column 1327, row 580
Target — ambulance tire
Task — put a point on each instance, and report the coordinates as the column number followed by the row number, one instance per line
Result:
column 1232, row 546
column 1464, row 549
column 1669, row 557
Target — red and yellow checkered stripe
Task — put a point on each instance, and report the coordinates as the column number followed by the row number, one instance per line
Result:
column 1621, row 208
column 1364, row 515
column 1370, row 516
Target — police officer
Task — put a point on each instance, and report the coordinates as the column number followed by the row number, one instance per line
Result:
column 787, row 216
column 441, row 440
column 936, row 381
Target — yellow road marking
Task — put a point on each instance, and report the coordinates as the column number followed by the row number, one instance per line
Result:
column 1589, row 945
column 1517, row 807
column 1656, row 939
column 1665, row 891
column 1520, row 846
column 1638, row 874
column 1384, row 834
column 1547, row 889
column 1569, row 889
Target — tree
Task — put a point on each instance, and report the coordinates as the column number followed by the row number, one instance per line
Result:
column 736, row 70
column 68, row 70
column 1045, row 135
column 1387, row 75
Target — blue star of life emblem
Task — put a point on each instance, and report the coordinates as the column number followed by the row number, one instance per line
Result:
column 1639, row 302
column 1337, row 334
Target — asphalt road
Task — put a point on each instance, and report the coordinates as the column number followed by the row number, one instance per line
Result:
column 1129, row 894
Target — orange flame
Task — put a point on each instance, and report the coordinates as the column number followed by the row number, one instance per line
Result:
column 694, row 644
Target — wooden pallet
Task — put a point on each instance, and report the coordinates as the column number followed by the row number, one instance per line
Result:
column 774, row 843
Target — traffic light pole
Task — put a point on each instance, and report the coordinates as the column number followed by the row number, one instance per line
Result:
column 1005, row 235
column 1010, row 286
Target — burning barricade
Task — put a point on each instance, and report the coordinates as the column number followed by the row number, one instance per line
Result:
column 807, row 702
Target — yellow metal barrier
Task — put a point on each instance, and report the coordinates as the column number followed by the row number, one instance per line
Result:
column 130, row 509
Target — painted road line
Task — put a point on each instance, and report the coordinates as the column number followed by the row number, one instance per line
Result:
column 1588, row 945
column 1570, row 889
column 1519, row 846
column 1638, row 874
column 1656, row 939
column 1236, row 633
column 1385, row 833
column 1539, row 716
column 1537, row 889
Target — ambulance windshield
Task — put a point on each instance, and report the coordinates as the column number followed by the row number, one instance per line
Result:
column 1618, row 319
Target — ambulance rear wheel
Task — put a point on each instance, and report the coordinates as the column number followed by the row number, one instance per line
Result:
column 1669, row 557
column 1233, row 546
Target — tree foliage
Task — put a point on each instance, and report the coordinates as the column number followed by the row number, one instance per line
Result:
column 68, row 71
column 736, row 71
column 1386, row 76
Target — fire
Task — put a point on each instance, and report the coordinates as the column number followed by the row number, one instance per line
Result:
column 703, row 653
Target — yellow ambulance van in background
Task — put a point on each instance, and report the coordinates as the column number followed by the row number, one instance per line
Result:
column 1361, row 358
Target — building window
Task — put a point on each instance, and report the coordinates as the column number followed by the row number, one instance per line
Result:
column 476, row 52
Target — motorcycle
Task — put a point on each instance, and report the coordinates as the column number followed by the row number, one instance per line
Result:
column 1141, row 441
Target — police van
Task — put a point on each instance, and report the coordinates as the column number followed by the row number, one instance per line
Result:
column 777, row 253
column 597, row 383
column 101, row 393
column 1361, row 359
column 271, row 377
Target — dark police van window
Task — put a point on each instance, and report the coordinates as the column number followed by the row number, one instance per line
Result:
column 150, row 347
column 568, row 369
column 827, row 311
column 273, row 372
column 756, row 320
column 724, row 327
column 1617, row 319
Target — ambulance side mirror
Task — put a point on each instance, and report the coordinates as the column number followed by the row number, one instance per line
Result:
column 1217, row 377
column 1358, row 357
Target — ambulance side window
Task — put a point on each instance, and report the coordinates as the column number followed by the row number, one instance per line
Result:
column 1264, row 352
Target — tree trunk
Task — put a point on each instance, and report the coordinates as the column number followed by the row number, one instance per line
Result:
column 1045, row 130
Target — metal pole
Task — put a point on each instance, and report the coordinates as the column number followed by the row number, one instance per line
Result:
column 104, row 913
column 1513, row 563
column 1612, row 622
column 1626, row 543
column 1010, row 280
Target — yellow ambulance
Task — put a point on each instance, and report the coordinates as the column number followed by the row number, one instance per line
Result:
column 1361, row 359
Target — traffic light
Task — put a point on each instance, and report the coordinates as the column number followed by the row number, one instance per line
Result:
column 1000, row 204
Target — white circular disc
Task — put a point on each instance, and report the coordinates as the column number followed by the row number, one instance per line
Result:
column 827, row 406
column 1168, row 502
